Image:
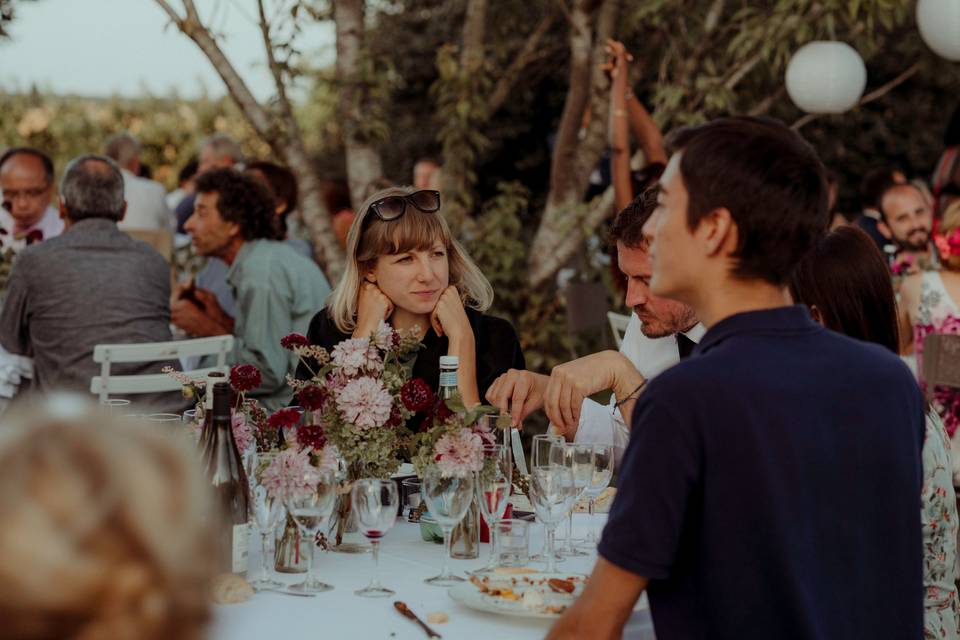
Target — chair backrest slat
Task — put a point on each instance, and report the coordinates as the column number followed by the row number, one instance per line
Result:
column 618, row 323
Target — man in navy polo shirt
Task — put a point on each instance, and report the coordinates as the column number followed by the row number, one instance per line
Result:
column 771, row 486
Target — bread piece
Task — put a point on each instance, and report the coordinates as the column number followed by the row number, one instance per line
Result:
column 229, row 588
column 437, row 617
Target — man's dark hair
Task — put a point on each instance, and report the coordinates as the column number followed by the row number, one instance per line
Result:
column 188, row 170
column 244, row 200
column 768, row 178
column 890, row 187
column 873, row 186
column 30, row 151
column 628, row 225
column 847, row 279
column 282, row 182
column 92, row 187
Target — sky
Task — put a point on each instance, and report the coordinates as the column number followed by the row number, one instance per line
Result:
column 128, row 48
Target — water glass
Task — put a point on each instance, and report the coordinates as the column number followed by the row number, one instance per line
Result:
column 493, row 493
column 603, row 458
column 163, row 417
column 114, row 405
column 579, row 459
column 267, row 512
column 542, row 447
column 375, row 503
column 552, row 492
column 309, row 511
column 513, row 540
column 448, row 498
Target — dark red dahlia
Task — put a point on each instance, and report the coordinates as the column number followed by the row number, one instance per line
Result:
column 294, row 340
column 312, row 397
column 417, row 395
column 283, row 418
column 311, row 436
column 395, row 419
column 245, row 377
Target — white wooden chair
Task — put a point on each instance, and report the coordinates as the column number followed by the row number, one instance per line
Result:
column 107, row 355
column 618, row 323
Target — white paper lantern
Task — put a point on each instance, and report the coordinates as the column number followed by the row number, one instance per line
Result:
column 826, row 77
column 939, row 24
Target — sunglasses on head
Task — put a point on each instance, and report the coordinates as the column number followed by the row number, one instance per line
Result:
column 393, row 207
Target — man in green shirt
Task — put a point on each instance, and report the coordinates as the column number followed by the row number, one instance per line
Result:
column 277, row 290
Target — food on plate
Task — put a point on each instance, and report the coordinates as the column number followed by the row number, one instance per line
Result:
column 561, row 586
column 602, row 504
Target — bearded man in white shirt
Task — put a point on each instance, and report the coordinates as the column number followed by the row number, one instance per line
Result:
column 660, row 333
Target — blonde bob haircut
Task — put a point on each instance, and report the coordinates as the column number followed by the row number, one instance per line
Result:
column 413, row 231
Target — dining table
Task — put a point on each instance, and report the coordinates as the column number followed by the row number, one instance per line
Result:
column 405, row 561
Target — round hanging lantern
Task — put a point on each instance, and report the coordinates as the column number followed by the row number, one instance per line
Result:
column 939, row 24
column 826, row 77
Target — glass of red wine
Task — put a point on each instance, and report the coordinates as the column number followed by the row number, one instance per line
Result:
column 375, row 503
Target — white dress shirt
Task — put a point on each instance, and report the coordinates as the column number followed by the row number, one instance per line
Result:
column 603, row 424
column 49, row 223
column 146, row 204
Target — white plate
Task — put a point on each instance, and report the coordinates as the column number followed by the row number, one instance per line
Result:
column 469, row 595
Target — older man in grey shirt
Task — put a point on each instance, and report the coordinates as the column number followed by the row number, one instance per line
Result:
column 92, row 285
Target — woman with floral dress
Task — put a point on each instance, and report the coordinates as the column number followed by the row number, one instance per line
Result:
column 846, row 284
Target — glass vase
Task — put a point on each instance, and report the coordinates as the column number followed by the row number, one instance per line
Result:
column 344, row 534
column 291, row 554
column 465, row 539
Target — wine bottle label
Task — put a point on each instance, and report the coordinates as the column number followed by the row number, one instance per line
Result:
column 448, row 378
column 240, row 535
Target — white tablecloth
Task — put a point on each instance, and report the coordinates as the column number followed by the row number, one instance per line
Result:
column 405, row 560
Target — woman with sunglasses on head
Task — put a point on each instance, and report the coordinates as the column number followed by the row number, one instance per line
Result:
column 846, row 284
column 404, row 266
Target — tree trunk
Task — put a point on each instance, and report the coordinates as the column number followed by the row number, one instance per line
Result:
column 363, row 161
column 575, row 155
column 282, row 134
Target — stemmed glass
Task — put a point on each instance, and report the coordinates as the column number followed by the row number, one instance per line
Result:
column 493, row 494
column 543, row 453
column 553, row 493
column 309, row 511
column 376, row 503
column 603, row 457
column 579, row 459
column 267, row 512
column 448, row 498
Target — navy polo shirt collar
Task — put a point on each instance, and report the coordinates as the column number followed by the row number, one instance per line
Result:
column 780, row 320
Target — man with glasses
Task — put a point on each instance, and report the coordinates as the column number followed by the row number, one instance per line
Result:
column 26, row 180
column 276, row 289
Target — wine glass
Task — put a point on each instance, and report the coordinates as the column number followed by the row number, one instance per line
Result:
column 579, row 459
column 267, row 512
column 540, row 450
column 553, row 493
column 376, row 503
column 493, row 493
column 309, row 511
column 603, row 457
column 448, row 498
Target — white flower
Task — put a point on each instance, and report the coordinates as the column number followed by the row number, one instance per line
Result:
column 355, row 355
column 365, row 402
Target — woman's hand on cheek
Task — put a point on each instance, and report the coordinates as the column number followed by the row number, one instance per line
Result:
column 372, row 307
column 449, row 316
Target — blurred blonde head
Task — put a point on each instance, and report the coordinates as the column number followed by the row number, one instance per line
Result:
column 415, row 230
column 105, row 530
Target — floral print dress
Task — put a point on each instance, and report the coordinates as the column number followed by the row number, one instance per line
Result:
column 938, row 313
column 939, row 520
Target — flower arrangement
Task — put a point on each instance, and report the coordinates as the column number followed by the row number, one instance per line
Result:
column 249, row 420
column 355, row 394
